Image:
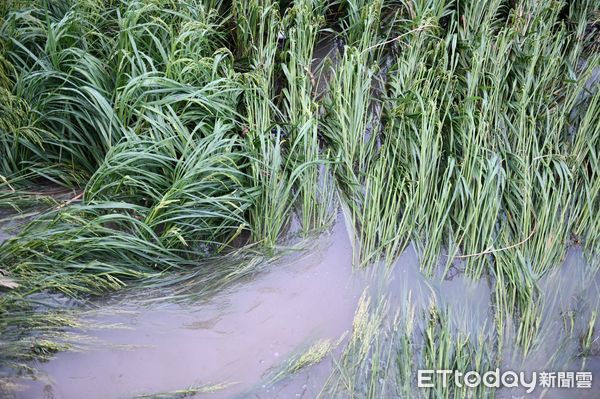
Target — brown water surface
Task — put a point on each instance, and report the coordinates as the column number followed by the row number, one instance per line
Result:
column 234, row 338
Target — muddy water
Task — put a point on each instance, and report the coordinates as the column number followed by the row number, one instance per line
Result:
column 569, row 293
column 239, row 336
column 234, row 338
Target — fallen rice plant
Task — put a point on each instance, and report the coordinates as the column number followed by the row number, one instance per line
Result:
column 173, row 132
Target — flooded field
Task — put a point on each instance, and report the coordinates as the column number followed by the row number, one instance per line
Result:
column 300, row 199
column 232, row 339
column 231, row 344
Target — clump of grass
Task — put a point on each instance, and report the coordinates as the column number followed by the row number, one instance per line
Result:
column 588, row 339
column 391, row 338
column 346, row 125
column 187, row 392
column 314, row 187
column 192, row 191
column 314, row 354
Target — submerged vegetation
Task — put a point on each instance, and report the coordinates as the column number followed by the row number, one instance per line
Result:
column 180, row 131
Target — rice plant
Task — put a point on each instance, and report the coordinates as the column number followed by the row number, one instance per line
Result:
column 314, row 188
column 144, row 140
